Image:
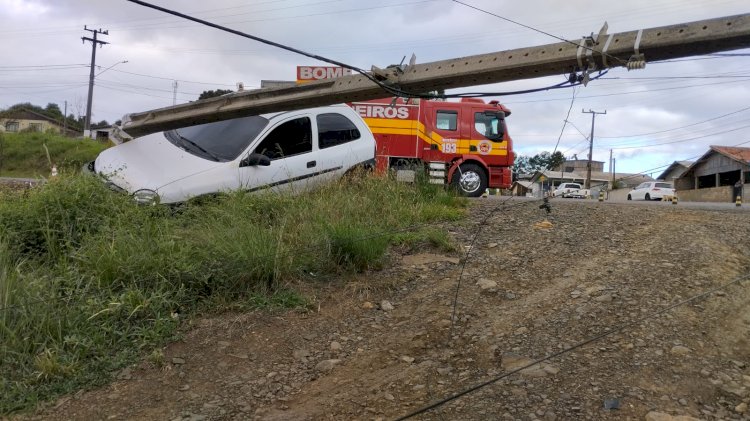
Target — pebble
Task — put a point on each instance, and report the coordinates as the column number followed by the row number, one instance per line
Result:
column 606, row 298
column 368, row 305
column 487, row 285
column 335, row 346
column 522, row 330
column 680, row 350
column 741, row 408
column 178, row 360
column 407, row 359
column 662, row 416
column 301, row 354
column 326, row 365
column 386, row 305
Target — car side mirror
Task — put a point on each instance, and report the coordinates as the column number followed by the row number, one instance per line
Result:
column 254, row 160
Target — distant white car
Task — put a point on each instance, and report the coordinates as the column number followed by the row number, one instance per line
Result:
column 280, row 151
column 651, row 190
column 570, row 190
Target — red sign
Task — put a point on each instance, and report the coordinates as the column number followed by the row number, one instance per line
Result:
column 313, row 73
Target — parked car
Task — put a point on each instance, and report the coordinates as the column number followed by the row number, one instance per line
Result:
column 651, row 190
column 570, row 190
column 281, row 151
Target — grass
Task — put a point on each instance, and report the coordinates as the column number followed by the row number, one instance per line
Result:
column 23, row 154
column 90, row 282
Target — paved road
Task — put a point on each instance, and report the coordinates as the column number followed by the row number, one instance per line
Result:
column 682, row 204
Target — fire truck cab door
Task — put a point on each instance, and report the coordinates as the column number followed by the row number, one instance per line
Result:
column 448, row 126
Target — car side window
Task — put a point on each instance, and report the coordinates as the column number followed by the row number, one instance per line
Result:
column 335, row 129
column 289, row 138
column 447, row 120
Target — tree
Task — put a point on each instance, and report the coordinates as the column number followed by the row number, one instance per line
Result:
column 211, row 94
column 53, row 110
column 541, row 161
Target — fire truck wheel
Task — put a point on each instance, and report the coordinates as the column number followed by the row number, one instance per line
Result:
column 470, row 180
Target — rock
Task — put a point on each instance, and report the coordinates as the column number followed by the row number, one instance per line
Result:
column 184, row 387
column 223, row 344
column 551, row 369
column 522, row 330
column 680, row 350
column 301, row 354
column 741, row 408
column 386, row 305
column 444, row 370
column 606, row 298
column 575, row 294
column 326, row 365
column 533, row 372
column 487, row 285
column 388, row 397
column 407, row 359
column 335, row 346
column 444, row 323
column 125, row 374
column 683, row 402
column 178, row 360
column 368, row 305
column 661, row 416
column 309, row 336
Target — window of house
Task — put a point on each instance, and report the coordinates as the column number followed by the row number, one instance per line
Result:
column 335, row 129
column 11, row 126
column 291, row 138
column 447, row 120
column 35, row 127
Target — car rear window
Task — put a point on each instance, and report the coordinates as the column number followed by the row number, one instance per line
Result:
column 664, row 185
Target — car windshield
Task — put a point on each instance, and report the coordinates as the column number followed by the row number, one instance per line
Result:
column 220, row 141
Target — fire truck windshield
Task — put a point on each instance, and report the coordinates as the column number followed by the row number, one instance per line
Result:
column 490, row 125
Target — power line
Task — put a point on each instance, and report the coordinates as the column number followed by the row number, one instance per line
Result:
column 578, row 345
column 171, row 79
column 680, row 140
column 537, row 30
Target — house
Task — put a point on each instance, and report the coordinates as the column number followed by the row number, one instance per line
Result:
column 711, row 178
column 26, row 120
column 545, row 181
column 675, row 170
column 522, row 188
column 580, row 166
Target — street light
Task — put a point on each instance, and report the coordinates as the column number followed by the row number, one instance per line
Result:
column 119, row 62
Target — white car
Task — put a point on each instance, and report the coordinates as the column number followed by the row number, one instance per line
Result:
column 651, row 190
column 281, row 151
column 570, row 190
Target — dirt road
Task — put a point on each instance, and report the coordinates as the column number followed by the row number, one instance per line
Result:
column 526, row 293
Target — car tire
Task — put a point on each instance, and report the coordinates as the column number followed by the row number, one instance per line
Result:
column 648, row 197
column 630, row 197
column 470, row 180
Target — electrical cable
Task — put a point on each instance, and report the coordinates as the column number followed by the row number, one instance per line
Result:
column 539, row 30
column 571, row 348
column 680, row 140
column 384, row 86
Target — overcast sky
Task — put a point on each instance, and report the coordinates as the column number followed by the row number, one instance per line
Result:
column 44, row 60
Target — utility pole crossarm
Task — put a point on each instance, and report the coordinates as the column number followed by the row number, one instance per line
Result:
column 661, row 43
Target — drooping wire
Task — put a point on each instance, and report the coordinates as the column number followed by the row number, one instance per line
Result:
column 571, row 348
column 537, row 30
column 390, row 89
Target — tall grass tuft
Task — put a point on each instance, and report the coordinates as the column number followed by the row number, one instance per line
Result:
column 89, row 281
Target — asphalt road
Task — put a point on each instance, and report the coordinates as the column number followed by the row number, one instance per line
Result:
column 681, row 204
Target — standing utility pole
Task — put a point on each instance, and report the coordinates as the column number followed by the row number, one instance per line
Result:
column 94, row 43
column 591, row 145
column 174, row 92
column 65, row 119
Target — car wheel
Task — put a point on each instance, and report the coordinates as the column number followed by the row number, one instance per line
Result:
column 648, row 197
column 630, row 197
column 470, row 180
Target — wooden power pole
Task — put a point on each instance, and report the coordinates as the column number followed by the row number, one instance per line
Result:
column 94, row 43
column 599, row 51
column 591, row 146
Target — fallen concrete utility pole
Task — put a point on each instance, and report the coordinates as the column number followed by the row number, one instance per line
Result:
column 626, row 49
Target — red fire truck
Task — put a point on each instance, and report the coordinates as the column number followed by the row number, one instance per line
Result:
column 463, row 143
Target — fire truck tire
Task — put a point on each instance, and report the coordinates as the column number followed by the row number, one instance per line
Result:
column 470, row 180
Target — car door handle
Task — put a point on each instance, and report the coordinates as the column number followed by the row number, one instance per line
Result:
column 311, row 164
